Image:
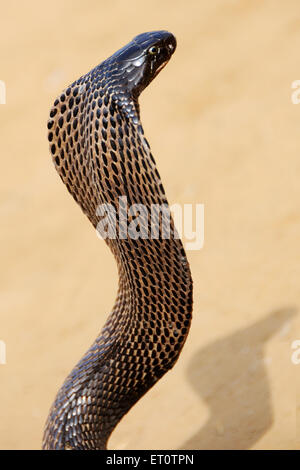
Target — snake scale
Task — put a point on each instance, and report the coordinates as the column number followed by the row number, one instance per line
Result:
column 101, row 154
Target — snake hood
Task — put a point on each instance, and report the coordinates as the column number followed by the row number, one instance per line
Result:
column 100, row 152
column 130, row 70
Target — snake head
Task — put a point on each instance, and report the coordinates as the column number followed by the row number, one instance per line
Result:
column 132, row 68
column 145, row 57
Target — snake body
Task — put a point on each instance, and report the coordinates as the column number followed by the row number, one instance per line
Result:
column 101, row 154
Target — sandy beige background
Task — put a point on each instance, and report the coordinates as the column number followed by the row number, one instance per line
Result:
column 224, row 133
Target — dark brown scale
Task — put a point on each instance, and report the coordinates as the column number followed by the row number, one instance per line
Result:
column 98, row 147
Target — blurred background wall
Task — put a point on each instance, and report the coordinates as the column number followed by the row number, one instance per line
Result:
column 225, row 133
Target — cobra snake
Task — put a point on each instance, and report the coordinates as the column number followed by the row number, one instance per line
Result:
column 100, row 152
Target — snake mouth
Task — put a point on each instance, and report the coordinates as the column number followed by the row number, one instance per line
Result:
column 160, row 68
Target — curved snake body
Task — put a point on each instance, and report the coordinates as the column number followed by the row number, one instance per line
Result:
column 100, row 152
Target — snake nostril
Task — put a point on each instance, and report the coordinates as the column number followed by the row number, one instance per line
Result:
column 172, row 44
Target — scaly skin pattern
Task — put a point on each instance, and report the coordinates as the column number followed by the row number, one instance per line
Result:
column 99, row 150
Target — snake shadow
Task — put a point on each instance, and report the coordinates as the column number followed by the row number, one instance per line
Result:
column 230, row 376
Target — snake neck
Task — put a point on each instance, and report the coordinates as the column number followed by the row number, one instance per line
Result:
column 101, row 154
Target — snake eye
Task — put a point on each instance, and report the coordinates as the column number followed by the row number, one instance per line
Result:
column 153, row 50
